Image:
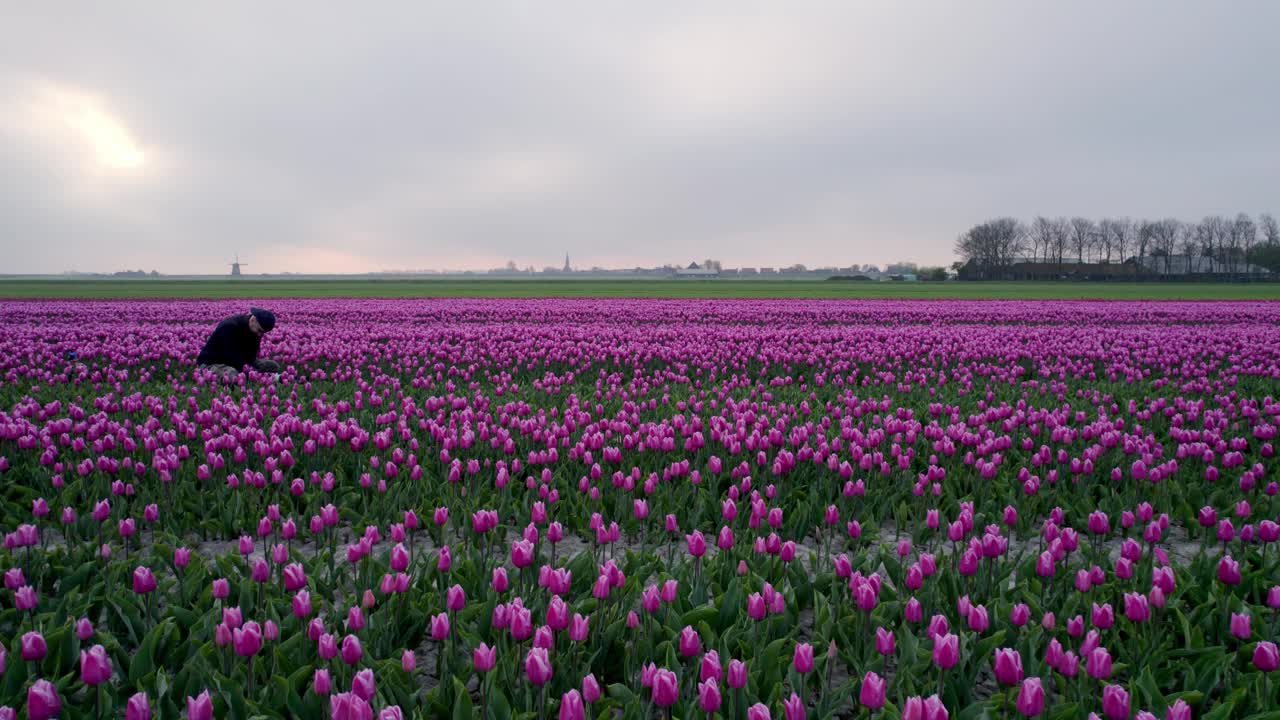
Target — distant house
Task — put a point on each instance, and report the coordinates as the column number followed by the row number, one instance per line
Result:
column 1188, row 265
column 1170, row 267
column 1028, row 269
column 695, row 271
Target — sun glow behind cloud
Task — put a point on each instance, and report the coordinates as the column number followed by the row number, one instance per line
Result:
column 110, row 141
column 78, row 121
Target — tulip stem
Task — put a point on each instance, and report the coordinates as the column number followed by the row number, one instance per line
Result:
column 1133, row 650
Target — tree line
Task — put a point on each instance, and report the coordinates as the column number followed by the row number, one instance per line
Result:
column 1221, row 245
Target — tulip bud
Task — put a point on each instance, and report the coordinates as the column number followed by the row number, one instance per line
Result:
column 321, row 683
column 537, row 666
column 43, row 701
column 665, row 688
column 351, row 650
column 137, row 708
column 200, row 707
column 484, row 658
column 1030, row 697
column 872, row 693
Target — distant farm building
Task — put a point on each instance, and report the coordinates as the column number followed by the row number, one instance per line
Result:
column 1148, row 267
column 1199, row 265
column 1024, row 269
column 696, row 272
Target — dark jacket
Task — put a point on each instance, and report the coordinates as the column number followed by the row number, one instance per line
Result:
column 232, row 343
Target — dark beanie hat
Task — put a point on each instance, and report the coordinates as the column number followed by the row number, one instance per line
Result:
column 265, row 318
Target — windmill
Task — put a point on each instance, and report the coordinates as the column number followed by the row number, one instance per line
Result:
column 235, row 266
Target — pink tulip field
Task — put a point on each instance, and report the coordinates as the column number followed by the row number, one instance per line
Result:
column 926, row 510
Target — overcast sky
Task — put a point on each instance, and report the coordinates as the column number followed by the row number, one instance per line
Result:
column 462, row 135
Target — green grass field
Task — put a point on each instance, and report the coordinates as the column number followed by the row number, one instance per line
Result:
column 479, row 288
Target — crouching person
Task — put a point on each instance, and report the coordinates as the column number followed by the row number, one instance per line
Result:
column 235, row 343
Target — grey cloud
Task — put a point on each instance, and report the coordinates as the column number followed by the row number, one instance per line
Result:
column 433, row 135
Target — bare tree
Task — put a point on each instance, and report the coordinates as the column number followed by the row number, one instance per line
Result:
column 1209, row 239
column 1216, row 244
column 1222, row 227
column 1191, row 240
column 1099, row 244
column 992, row 246
column 1013, row 240
column 1060, row 233
column 1113, row 238
column 1121, row 237
column 1243, row 234
column 1165, row 239
column 1040, row 238
column 1230, row 247
column 1267, row 254
column 971, row 252
column 1102, row 241
column 1199, row 240
column 1142, row 240
column 1270, row 229
column 1081, row 230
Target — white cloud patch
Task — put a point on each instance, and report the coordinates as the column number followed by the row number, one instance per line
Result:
column 71, row 123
